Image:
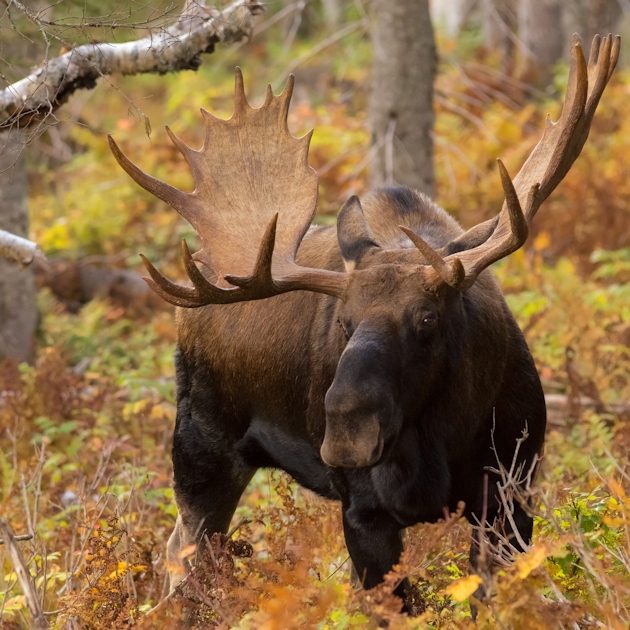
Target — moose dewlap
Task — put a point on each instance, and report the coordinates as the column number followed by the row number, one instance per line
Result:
column 390, row 374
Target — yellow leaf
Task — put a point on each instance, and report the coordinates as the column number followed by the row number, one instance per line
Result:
column 188, row 550
column 526, row 563
column 158, row 412
column 463, row 588
column 15, row 603
column 615, row 486
column 119, row 571
column 134, row 408
column 542, row 241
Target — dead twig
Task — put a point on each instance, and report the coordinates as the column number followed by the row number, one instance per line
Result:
column 24, row 577
column 241, row 523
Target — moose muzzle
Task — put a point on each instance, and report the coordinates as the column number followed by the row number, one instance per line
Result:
column 359, row 406
column 352, row 451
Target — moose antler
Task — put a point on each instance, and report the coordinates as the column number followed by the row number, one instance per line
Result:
column 545, row 168
column 254, row 199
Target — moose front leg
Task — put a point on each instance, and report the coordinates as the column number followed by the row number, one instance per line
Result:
column 208, row 481
column 374, row 541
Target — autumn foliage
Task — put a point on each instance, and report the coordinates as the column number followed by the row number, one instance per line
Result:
column 86, row 431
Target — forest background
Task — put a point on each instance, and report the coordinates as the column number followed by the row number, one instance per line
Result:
column 86, row 421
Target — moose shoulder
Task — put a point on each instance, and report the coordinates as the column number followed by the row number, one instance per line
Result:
column 385, row 369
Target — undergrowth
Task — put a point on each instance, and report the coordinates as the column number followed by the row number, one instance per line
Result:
column 86, row 431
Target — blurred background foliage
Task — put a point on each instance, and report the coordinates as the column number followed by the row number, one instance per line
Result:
column 85, row 445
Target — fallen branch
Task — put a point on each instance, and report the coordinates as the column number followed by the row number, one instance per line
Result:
column 24, row 577
column 21, row 538
column 558, row 402
column 559, row 407
column 19, row 249
column 178, row 47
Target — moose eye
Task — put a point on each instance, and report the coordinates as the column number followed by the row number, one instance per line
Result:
column 430, row 320
column 345, row 331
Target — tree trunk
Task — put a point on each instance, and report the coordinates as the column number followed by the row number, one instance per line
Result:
column 498, row 25
column 18, row 315
column 540, row 30
column 401, row 102
column 590, row 17
column 547, row 26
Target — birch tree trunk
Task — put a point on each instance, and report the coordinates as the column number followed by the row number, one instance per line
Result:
column 18, row 314
column 401, row 103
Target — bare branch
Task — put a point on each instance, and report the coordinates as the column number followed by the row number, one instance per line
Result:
column 21, row 538
column 329, row 41
column 178, row 47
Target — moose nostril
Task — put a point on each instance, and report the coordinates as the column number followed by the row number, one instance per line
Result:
column 352, row 445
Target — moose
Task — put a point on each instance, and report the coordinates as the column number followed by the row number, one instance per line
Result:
column 376, row 362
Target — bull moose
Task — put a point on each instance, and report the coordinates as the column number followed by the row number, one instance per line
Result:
column 376, row 362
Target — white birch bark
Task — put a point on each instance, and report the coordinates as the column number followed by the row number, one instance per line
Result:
column 178, row 47
column 17, row 248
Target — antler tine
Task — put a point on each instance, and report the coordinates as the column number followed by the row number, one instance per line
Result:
column 170, row 291
column 461, row 270
column 614, row 55
column 261, row 278
column 187, row 152
column 508, row 236
column 285, row 100
column 240, row 100
column 206, row 292
column 593, row 54
column 171, row 299
column 268, row 96
column 519, row 229
column 451, row 272
column 181, row 201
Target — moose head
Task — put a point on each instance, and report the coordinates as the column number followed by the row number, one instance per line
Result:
column 254, row 199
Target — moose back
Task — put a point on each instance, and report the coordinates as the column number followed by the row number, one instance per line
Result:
column 376, row 362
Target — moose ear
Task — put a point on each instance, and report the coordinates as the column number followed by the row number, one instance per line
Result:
column 353, row 233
